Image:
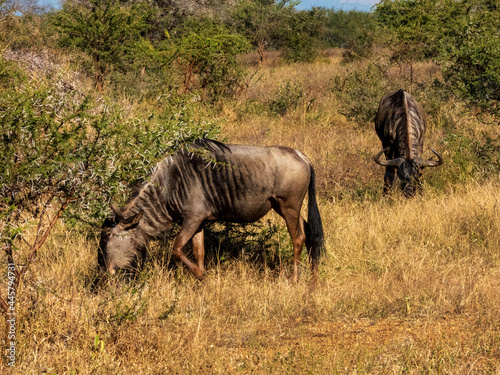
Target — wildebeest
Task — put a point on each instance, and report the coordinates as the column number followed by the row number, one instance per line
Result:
column 400, row 124
column 213, row 181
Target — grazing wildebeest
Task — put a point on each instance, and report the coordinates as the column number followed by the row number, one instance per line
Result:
column 400, row 124
column 214, row 182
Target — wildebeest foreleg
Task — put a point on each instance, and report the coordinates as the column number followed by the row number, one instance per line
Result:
column 199, row 249
column 189, row 230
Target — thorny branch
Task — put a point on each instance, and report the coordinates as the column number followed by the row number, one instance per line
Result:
column 40, row 239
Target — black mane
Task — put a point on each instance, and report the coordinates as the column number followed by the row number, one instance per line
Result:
column 210, row 145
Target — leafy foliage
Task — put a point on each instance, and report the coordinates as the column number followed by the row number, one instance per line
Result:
column 299, row 40
column 261, row 22
column 289, row 96
column 420, row 26
column 463, row 35
column 360, row 91
column 472, row 59
column 341, row 27
column 112, row 34
column 207, row 58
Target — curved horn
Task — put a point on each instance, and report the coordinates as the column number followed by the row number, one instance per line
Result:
column 387, row 163
column 431, row 163
column 118, row 213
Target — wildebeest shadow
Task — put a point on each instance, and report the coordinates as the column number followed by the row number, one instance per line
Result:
column 264, row 244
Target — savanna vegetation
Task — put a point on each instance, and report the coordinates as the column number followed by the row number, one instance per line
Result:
column 94, row 93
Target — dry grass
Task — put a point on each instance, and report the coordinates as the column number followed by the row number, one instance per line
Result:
column 407, row 286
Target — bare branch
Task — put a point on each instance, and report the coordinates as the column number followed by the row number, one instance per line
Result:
column 41, row 240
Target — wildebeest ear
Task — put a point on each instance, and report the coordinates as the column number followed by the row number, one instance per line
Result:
column 132, row 221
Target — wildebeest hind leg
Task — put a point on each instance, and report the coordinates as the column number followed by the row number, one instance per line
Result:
column 295, row 225
column 189, row 230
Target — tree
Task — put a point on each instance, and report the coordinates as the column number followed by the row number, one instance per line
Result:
column 20, row 23
column 420, row 26
column 300, row 35
column 109, row 31
column 261, row 20
column 207, row 57
column 354, row 31
column 341, row 27
column 471, row 61
column 172, row 15
column 463, row 36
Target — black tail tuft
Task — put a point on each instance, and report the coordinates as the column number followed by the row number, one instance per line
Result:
column 314, row 232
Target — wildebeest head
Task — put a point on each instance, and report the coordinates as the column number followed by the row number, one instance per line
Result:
column 122, row 245
column 409, row 171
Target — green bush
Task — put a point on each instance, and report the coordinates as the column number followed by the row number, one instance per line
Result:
column 342, row 29
column 289, row 97
column 471, row 158
column 462, row 35
column 109, row 31
column 300, row 40
column 206, row 55
column 261, row 21
column 472, row 58
column 360, row 92
column 357, row 49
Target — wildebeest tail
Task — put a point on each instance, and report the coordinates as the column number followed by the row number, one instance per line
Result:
column 314, row 227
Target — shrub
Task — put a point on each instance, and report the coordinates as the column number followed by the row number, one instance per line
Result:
column 289, row 96
column 110, row 32
column 472, row 58
column 462, row 35
column 357, row 49
column 300, row 37
column 342, row 28
column 207, row 57
column 360, row 92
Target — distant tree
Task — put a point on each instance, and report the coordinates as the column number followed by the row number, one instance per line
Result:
column 299, row 36
column 262, row 21
column 108, row 30
column 354, row 31
column 22, row 7
column 471, row 58
column 171, row 15
column 20, row 24
column 6, row 9
column 6, row 12
column 419, row 25
column 463, row 35
column 207, row 57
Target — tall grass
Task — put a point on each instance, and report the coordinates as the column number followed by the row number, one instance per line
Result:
column 407, row 285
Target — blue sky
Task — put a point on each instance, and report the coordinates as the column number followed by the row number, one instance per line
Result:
column 54, row 3
column 361, row 5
